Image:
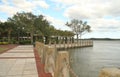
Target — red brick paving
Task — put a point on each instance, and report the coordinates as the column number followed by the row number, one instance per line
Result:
column 40, row 66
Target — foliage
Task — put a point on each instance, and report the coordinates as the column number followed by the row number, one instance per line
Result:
column 6, row 28
column 26, row 24
column 79, row 27
column 4, row 43
column 25, row 21
column 23, row 42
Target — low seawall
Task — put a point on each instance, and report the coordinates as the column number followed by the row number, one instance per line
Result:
column 57, row 63
column 110, row 72
column 80, row 43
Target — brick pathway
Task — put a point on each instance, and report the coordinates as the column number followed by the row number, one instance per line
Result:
column 18, row 62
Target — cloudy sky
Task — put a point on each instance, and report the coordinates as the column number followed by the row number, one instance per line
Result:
column 102, row 15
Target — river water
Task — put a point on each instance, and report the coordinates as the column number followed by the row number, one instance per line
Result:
column 88, row 61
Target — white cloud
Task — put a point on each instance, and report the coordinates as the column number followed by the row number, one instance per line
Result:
column 114, row 10
column 87, row 10
column 66, row 2
column 24, row 5
column 43, row 4
column 90, row 8
column 105, row 24
column 30, row 4
column 10, row 10
column 5, row 1
column 13, row 6
column 95, row 12
column 57, row 23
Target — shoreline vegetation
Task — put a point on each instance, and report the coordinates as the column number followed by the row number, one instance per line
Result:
column 103, row 39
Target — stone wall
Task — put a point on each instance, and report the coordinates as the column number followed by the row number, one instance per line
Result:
column 57, row 63
column 54, row 61
column 110, row 72
column 62, row 63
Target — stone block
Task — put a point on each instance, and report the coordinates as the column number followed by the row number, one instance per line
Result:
column 110, row 72
column 50, row 60
column 62, row 62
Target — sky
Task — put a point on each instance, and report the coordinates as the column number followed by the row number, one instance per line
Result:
column 102, row 15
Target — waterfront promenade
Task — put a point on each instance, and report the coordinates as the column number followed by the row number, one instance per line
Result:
column 18, row 62
column 24, row 61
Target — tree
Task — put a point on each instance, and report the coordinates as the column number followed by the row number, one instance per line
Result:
column 35, row 25
column 42, row 25
column 8, row 28
column 78, row 27
column 25, row 21
column 1, row 30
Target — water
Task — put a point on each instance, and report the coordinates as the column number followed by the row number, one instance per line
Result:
column 88, row 61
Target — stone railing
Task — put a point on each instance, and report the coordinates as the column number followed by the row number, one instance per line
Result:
column 80, row 43
column 54, row 62
column 57, row 62
column 110, row 72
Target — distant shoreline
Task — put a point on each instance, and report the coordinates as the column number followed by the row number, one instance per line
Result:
column 98, row 39
column 103, row 39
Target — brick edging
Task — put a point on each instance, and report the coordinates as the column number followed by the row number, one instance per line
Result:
column 40, row 66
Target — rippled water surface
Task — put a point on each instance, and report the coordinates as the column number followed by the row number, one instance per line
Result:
column 88, row 61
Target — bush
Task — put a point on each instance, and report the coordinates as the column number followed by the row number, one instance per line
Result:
column 23, row 42
column 14, row 42
column 4, row 43
column 1, row 43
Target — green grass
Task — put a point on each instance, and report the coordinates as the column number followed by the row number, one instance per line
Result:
column 2, row 49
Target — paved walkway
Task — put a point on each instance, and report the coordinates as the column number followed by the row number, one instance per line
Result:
column 18, row 62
